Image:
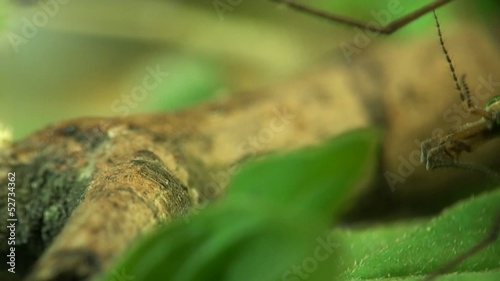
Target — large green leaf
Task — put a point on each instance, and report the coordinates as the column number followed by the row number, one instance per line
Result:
column 413, row 250
column 313, row 182
column 269, row 226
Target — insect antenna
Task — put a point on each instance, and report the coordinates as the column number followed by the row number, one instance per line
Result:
column 464, row 94
column 465, row 87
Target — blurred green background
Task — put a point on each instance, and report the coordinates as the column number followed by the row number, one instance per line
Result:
column 65, row 59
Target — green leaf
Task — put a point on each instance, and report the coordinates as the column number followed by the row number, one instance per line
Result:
column 258, row 231
column 413, row 250
column 313, row 181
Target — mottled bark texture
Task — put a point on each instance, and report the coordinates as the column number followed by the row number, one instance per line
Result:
column 86, row 188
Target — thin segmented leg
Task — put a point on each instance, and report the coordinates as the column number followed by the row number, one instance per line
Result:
column 388, row 29
column 444, row 151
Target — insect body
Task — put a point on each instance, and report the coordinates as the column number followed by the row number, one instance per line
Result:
column 444, row 150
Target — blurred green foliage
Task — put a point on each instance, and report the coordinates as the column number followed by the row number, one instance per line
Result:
column 78, row 63
column 487, row 9
column 3, row 15
column 191, row 80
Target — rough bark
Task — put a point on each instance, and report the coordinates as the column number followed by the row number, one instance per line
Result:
column 86, row 188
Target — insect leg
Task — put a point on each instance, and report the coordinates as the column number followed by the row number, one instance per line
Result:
column 388, row 29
